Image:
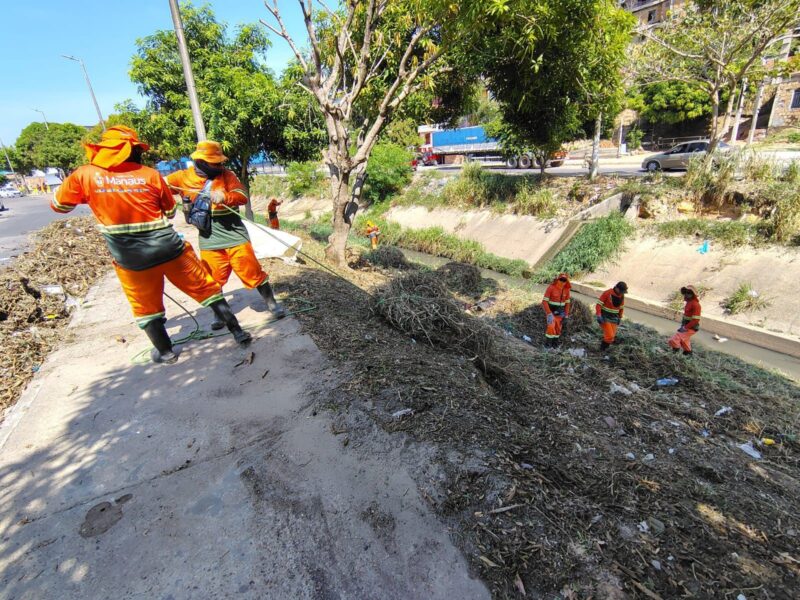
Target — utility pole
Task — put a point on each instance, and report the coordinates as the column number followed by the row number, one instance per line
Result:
column 14, row 174
column 197, row 116
column 91, row 91
column 41, row 112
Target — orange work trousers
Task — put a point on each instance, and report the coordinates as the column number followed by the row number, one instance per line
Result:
column 682, row 339
column 554, row 328
column 274, row 223
column 240, row 259
column 609, row 331
column 145, row 289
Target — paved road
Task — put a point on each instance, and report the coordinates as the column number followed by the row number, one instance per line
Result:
column 572, row 168
column 22, row 217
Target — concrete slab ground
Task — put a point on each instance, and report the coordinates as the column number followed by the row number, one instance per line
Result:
column 216, row 477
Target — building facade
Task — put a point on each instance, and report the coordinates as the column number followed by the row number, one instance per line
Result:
column 650, row 12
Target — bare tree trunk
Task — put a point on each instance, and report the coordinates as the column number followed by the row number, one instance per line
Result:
column 738, row 120
column 756, row 109
column 340, row 192
column 714, row 118
column 244, row 177
column 598, row 128
column 726, row 122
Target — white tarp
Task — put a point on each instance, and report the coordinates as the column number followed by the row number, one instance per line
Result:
column 273, row 243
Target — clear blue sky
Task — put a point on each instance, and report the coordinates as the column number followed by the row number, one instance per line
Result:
column 35, row 33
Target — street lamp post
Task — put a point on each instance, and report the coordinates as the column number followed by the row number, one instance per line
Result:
column 41, row 112
column 197, row 116
column 14, row 174
column 91, row 91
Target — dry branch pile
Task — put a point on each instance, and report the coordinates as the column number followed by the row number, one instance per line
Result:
column 574, row 476
column 37, row 292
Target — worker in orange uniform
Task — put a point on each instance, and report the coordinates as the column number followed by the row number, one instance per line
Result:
column 556, row 304
column 132, row 204
column 226, row 246
column 272, row 213
column 609, row 310
column 690, row 323
column 373, row 233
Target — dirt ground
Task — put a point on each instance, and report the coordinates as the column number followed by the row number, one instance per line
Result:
column 570, row 473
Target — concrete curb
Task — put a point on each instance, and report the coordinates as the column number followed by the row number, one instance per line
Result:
column 737, row 331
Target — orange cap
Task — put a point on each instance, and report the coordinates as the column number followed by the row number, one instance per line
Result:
column 114, row 147
column 209, row 151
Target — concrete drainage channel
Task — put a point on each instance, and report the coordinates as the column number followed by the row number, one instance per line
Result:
column 652, row 315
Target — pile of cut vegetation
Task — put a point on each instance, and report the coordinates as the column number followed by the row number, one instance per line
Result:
column 37, row 292
column 573, row 472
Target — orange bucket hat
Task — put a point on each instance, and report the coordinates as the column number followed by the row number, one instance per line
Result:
column 114, row 147
column 209, row 151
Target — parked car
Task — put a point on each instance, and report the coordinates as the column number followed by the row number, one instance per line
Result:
column 679, row 156
column 9, row 191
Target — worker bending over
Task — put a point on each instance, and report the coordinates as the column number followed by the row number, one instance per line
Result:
column 132, row 203
column 690, row 323
column 374, row 234
column 556, row 304
column 272, row 213
column 609, row 311
column 226, row 246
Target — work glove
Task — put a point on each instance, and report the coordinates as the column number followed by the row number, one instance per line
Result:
column 550, row 318
column 217, row 197
column 600, row 320
column 681, row 329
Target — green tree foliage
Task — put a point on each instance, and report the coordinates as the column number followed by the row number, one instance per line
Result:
column 388, row 171
column 552, row 65
column 714, row 45
column 240, row 100
column 671, row 102
column 57, row 145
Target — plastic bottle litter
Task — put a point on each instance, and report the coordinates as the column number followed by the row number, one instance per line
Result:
column 577, row 352
column 527, row 339
column 667, row 382
column 619, row 389
column 723, row 411
column 53, row 290
column 750, row 451
column 649, row 457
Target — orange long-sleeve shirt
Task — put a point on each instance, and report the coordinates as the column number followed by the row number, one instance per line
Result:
column 188, row 183
column 611, row 306
column 691, row 314
column 557, row 298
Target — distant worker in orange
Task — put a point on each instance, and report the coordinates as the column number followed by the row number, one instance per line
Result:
column 374, row 234
column 556, row 304
column 272, row 213
column 609, row 310
column 690, row 323
column 132, row 205
column 226, row 246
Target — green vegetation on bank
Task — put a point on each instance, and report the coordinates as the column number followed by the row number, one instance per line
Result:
column 744, row 299
column 731, row 234
column 597, row 242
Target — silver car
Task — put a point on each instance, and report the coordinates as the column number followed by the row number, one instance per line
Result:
column 679, row 156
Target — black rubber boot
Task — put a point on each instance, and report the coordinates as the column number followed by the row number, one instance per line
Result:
column 676, row 350
column 217, row 324
column 224, row 314
column 604, row 346
column 687, row 352
column 162, row 352
column 275, row 307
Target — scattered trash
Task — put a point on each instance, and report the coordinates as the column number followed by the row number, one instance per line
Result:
column 667, row 382
column 611, row 422
column 577, row 352
column 634, row 387
column 672, row 450
column 52, row 290
column 704, row 248
column 768, row 441
column 619, row 389
column 630, row 456
column 35, row 368
column 649, row 457
column 723, row 411
column 644, row 527
column 656, row 564
column 705, row 433
column 719, row 339
column 750, row 451
column 403, row 413
column 519, row 585
column 526, row 338
column 526, row 466
column 741, row 597
column 486, row 304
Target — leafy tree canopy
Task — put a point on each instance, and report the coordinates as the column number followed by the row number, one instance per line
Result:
column 55, row 145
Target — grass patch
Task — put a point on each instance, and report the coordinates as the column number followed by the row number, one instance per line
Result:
column 477, row 187
column 536, row 201
column 268, row 185
column 596, row 243
column 731, row 234
column 744, row 299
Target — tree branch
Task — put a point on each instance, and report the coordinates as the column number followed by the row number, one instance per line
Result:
column 275, row 12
